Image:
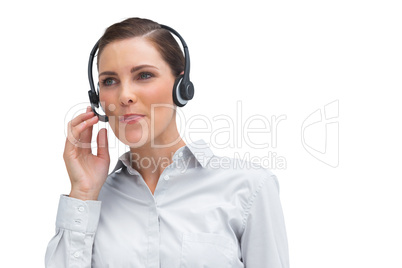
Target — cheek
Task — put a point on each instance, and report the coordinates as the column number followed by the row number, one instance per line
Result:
column 107, row 100
column 161, row 99
column 162, row 92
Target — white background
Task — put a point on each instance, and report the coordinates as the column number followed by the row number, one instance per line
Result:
column 277, row 58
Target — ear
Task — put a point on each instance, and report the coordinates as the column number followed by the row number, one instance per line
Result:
column 182, row 72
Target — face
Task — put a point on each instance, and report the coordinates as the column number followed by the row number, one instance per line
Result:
column 134, row 79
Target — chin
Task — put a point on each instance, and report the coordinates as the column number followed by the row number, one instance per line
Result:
column 133, row 135
column 134, row 139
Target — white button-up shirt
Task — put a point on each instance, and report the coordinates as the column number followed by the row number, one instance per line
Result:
column 206, row 211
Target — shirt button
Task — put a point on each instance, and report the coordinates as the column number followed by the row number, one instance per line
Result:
column 77, row 254
column 166, row 177
column 81, row 209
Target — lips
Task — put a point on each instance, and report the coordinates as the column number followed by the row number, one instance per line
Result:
column 131, row 118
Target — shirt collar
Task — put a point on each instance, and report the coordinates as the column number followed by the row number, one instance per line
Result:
column 198, row 149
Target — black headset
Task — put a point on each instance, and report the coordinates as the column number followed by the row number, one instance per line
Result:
column 183, row 89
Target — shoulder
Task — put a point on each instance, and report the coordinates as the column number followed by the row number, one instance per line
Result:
column 248, row 175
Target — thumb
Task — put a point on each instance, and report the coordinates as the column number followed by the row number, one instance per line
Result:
column 103, row 146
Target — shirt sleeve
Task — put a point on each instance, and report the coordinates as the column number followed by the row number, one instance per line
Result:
column 264, row 240
column 76, row 224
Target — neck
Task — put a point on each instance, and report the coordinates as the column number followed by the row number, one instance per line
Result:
column 152, row 158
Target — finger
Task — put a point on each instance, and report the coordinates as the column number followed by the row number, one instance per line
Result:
column 85, row 140
column 80, row 118
column 103, row 145
column 86, row 136
column 74, row 132
column 76, row 125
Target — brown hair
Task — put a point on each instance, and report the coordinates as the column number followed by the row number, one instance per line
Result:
column 162, row 39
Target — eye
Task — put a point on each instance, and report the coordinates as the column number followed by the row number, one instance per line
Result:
column 144, row 76
column 108, row 82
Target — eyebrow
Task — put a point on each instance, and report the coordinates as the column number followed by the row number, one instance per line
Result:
column 133, row 70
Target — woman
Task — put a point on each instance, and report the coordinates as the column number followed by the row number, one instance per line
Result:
column 166, row 203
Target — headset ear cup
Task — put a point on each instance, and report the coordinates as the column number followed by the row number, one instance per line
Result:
column 95, row 103
column 97, row 97
column 177, row 98
column 187, row 90
column 93, row 98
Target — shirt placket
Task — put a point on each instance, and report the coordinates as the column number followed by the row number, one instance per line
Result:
column 154, row 234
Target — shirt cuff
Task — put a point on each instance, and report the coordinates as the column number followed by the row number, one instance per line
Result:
column 78, row 215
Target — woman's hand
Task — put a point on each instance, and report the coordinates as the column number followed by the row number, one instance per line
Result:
column 87, row 172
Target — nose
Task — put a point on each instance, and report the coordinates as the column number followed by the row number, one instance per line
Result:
column 127, row 95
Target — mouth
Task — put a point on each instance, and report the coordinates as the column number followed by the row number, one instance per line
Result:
column 130, row 118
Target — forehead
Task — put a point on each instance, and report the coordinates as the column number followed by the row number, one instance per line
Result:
column 127, row 53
